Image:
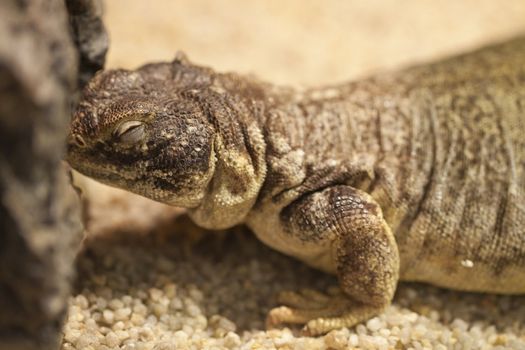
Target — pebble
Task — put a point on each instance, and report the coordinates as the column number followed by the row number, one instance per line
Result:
column 122, row 314
column 374, row 324
column 112, row 340
column 232, row 340
column 81, row 301
column 337, row 339
column 108, row 316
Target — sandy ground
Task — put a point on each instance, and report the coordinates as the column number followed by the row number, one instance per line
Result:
column 148, row 281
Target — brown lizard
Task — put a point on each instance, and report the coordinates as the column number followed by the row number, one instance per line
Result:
column 414, row 175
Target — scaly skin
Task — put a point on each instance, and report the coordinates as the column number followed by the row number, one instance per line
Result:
column 412, row 175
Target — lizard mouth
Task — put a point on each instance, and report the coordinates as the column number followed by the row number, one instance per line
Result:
column 107, row 175
column 148, row 186
column 87, row 161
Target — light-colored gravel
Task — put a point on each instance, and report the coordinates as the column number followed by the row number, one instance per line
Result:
column 175, row 286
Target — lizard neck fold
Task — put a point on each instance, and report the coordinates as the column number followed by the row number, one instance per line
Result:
column 239, row 150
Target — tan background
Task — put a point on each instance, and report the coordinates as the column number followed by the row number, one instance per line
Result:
column 305, row 41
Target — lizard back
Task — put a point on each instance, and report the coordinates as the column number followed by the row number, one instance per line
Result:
column 440, row 147
column 470, row 220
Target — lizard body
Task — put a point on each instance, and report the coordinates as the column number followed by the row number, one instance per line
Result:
column 417, row 174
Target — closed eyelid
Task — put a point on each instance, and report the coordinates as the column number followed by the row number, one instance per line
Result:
column 127, row 126
column 130, row 132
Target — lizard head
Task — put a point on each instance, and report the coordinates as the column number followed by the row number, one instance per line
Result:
column 146, row 131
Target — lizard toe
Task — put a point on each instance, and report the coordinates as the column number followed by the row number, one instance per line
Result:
column 348, row 316
column 319, row 312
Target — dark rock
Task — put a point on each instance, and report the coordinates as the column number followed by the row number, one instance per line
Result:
column 90, row 36
column 40, row 228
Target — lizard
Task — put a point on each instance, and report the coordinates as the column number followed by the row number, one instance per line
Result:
column 415, row 174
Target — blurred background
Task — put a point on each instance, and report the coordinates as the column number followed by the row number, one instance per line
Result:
column 304, row 41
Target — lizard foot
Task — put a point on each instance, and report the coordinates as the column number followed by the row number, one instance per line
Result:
column 319, row 312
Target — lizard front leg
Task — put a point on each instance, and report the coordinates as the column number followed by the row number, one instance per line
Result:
column 364, row 252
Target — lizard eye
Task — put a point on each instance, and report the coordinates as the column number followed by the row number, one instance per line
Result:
column 130, row 132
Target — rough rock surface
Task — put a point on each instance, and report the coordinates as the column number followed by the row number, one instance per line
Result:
column 89, row 35
column 40, row 227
